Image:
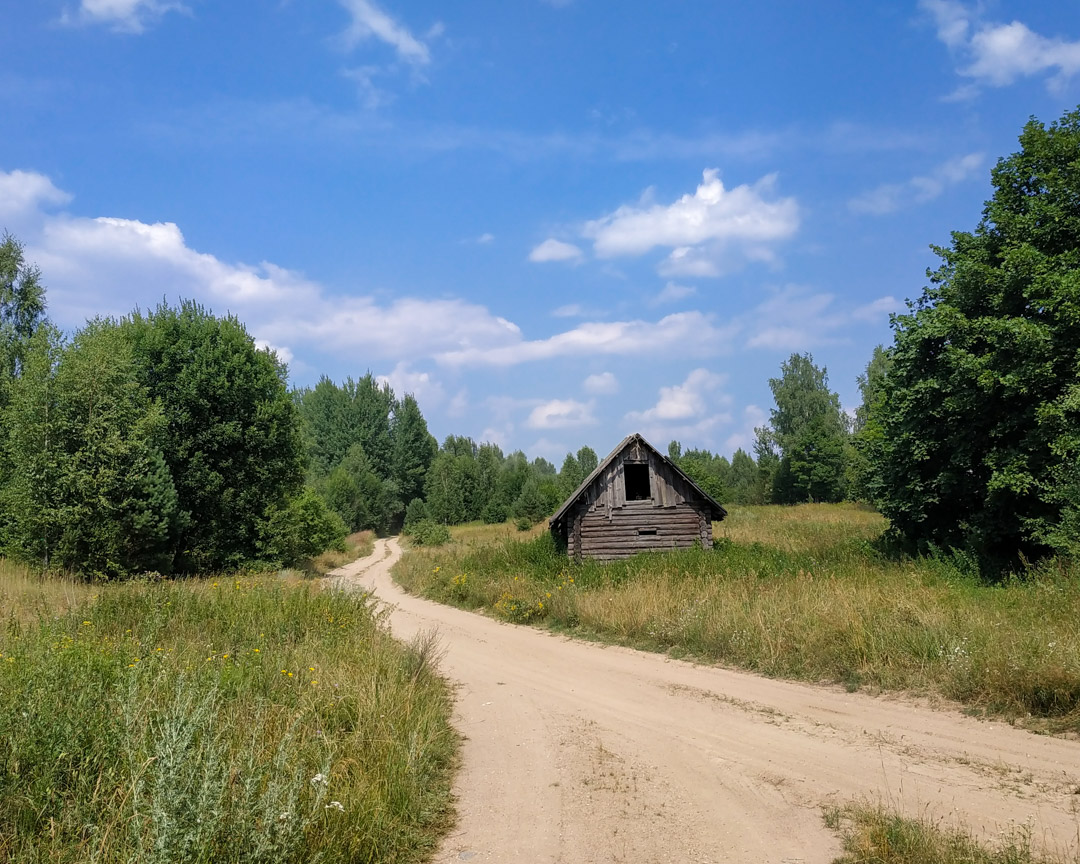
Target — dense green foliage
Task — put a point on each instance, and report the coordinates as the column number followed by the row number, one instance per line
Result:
column 809, row 434
column 727, row 482
column 974, row 439
column 200, row 721
column 369, row 452
column 161, row 442
column 231, row 439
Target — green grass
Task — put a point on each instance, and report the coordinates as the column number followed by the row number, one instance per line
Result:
column 229, row 720
column 796, row 592
column 873, row 835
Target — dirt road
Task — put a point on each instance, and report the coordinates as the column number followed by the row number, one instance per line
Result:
column 577, row 752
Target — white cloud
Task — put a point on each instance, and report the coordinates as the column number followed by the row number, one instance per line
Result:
column 284, row 354
column 555, row 250
column 485, row 238
column 24, row 193
column 707, row 231
column 889, row 197
column 370, row 21
column 92, row 264
column 995, row 54
column 125, row 16
column 682, row 333
column 691, row 411
column 561, row 414
column 403, row 379
column 601, row 384
column 685, row 401
column 673, row 292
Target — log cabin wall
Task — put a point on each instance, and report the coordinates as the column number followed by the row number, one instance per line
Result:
column 605, row 525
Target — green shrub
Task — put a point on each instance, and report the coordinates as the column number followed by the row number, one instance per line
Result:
column 429, row 533
column 303, row 528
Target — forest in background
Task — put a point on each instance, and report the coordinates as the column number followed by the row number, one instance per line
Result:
column 165, row 441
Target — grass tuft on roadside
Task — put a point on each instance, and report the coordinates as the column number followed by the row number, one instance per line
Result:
column 874, row 835
column 795, row 592
column 217, row 720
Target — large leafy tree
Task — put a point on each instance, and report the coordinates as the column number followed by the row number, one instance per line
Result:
column 232, row 439
column 808, row 429
column 980, row 409
column 89, row 488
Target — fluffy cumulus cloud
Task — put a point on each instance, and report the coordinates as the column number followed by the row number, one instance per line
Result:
column 707, row 231
column 127, row 16
column 369, row 21
column 694, row 409
column 601, row 384
column 555, row 250
column 561, row 414
column 996, row 54
column 24, row 194
column 92, row 264
column 890, row 197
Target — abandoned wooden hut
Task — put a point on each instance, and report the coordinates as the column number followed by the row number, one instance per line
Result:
column 636, row 500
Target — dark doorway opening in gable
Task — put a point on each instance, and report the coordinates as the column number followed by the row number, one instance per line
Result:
column 637, row 482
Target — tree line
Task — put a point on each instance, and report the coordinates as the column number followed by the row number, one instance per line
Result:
column 167, row 441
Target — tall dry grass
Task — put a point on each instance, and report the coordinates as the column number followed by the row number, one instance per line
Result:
column 797, row 592
column 228, row 720
column 875, row 835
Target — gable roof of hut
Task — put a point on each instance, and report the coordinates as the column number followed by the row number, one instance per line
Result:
column 718, row 512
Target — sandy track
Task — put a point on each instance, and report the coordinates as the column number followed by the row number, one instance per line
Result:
column 576, row 752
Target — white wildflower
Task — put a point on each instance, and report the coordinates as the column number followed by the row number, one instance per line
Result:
column 335, row 805
column 319, row 780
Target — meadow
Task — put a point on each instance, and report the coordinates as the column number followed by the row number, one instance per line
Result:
column 801, row 592
column 231, row 719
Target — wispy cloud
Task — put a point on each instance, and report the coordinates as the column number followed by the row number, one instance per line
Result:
column 684, row 333
column 796, row 318
column 369, row 21
column 125, row 16
column 995, row 54
column 672, row 293
column 889, row 197
column 601, row 384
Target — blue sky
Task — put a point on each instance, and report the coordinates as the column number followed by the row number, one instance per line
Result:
column 555, row 221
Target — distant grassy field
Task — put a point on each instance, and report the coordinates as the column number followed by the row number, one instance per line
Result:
column 214, row 720
column 796, row 592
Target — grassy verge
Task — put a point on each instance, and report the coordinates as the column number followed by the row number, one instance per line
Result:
column 873, row 835
column 229, row 720
column 796, row 592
